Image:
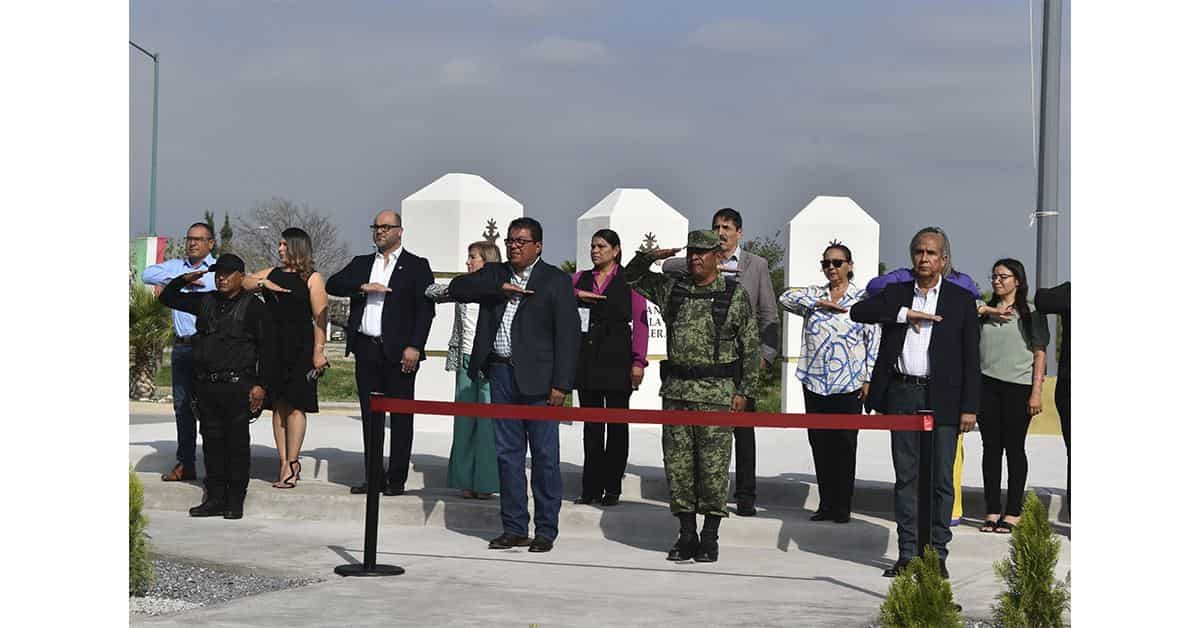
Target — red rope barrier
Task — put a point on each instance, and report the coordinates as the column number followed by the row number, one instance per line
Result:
column 901, row 422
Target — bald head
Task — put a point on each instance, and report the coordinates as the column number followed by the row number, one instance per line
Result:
column 386, row 230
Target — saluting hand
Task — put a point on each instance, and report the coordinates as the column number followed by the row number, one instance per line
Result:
column 194, row 277
column 590, row 297
column 374, row 287
column 512, row 290
column 916, row 316
column 267, row 284
column 657, row 254
column 830, row 305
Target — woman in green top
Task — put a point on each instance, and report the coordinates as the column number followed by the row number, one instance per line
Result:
column 1012, row 356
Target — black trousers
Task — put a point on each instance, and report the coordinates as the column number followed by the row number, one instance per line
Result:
column 1062, row 402
column 373, row 373
column 224, row 410
column 835, row 452
column 743, row 459
column 604, row 466
column 1003, row 422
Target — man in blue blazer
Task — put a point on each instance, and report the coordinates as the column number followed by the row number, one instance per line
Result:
column 387, row 330
column 527, row 344
column 928, row 360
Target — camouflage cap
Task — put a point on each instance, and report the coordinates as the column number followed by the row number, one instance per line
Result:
column 703, row 239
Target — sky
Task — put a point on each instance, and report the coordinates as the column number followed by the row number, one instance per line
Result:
column 922, row 111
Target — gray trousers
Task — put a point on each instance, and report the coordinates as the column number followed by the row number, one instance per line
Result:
column 903, row 398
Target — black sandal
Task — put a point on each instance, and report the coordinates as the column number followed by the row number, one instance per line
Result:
column 989, row 526
column 1004, row 527
column 290, row 480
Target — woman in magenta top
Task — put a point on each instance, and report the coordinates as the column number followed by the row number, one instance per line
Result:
column 612, row 359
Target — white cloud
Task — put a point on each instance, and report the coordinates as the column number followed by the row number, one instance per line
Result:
column 461, row 72
column 745, row 36
column 568, row 52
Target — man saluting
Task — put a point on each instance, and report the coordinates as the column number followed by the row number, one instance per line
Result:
column 233, row 358
column 712, row 359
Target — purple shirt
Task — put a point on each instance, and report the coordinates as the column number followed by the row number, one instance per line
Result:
column 901, row 275
column 641, row 329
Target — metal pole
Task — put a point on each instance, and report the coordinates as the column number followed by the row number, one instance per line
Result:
column 153, row 145
column 925, row 491
column 1047, row 205
column 154, row 156
column 374, row 455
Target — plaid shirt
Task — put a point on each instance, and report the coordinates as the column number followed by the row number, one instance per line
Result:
column 503, row 344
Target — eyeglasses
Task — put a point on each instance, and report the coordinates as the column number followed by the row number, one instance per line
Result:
column 836, row 263
column 517, row 242
column 195, row 239
column 384, row 228
column 1002, row 278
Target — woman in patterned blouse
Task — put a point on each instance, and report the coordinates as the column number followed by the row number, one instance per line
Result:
column 835, row 370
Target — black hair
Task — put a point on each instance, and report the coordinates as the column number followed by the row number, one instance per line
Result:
column 730, row 214
column 611, row 237
column 211, row 235
column 1022, row 300
column 834, row 244
column 524, row 222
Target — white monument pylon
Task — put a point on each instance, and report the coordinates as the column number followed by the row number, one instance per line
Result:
column 440, row 221
column 643, row 221
column 824, row 219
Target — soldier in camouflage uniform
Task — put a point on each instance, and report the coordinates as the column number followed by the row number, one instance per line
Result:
column 700, row 373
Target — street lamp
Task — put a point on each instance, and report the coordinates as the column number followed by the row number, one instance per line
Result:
column 153, row 142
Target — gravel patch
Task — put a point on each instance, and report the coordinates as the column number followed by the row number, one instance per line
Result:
column 180, row 586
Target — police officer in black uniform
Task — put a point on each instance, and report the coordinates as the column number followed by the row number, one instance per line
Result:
column 232, row 356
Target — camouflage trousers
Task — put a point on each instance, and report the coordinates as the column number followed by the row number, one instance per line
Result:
column 696, row 461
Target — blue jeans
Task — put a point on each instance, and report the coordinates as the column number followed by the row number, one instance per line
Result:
column 182, row 390
column 512, row 435
column 904, row 398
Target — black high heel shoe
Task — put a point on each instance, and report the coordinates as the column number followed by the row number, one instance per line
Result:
column 292, row 478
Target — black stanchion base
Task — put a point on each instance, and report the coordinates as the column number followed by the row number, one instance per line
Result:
column 360, row 570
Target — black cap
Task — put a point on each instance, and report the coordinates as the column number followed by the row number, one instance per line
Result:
column 228, row 262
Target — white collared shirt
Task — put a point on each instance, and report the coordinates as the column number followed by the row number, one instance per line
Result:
column 381, row 273
column 730, row 264
column 914, row 357
column 503, row 344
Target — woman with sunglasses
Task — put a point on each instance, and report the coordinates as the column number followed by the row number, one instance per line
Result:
column 835, row 370
column 1012, row 358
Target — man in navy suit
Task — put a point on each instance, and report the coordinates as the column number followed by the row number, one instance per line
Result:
column 928, row 360
column 527, row 344
column 388, row 326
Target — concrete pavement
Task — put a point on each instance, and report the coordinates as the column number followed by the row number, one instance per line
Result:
column 607, row 566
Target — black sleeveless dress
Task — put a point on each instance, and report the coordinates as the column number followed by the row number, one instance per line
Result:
column 292, row 322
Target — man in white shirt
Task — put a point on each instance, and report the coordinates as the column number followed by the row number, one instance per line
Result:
column 928, row 361
column 388, row 325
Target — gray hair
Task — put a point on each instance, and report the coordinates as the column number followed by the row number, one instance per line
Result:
column 912, row 246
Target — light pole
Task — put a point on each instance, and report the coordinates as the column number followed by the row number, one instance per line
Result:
column 153, row 142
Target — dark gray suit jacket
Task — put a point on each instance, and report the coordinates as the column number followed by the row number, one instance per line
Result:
column 755, row 277
column 545, row 331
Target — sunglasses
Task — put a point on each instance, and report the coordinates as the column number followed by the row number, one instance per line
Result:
column 836, row 263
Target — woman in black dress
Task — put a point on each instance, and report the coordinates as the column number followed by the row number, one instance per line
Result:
column 295, row 296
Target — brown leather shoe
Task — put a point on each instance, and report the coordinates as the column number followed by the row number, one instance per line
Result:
column 179, row 474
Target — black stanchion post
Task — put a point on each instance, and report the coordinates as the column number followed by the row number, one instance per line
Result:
column 374, row 456
column 925, row 490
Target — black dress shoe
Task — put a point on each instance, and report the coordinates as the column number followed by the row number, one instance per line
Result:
column 820, row 515
column 541, row 544
column 233, row 512
column 210, row 508
column 707, row 552
column 508, row 540
column 358, row 489
column 841, row 518
column 392, row 491
column 685, row 548
column 586, row 500
column 894, row 570
column 610, row 500
column 942, row 565
column 745, row 508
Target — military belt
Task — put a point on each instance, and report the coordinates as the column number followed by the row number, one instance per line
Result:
column 697, row 372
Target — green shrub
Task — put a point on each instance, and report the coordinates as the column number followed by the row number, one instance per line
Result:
column 141, row 573
column 919, row 597
column 1033, row 597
